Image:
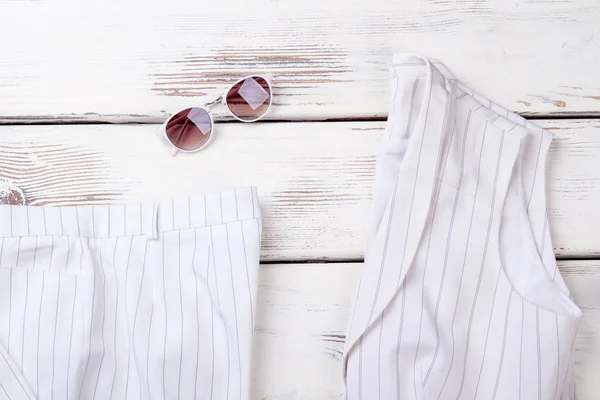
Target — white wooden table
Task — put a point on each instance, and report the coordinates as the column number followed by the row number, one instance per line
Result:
column 69, row 68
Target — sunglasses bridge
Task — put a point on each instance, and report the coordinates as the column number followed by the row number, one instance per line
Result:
column 214, row 102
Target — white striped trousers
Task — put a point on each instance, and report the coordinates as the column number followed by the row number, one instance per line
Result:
column 461, row 297
column 137, row 301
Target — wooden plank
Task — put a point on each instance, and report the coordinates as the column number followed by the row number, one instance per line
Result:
column 303, row 310
column 138, row 60
column 314, row 179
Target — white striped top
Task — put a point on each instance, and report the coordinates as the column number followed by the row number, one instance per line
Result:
column 461, row 297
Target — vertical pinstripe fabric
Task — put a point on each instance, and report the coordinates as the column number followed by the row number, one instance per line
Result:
column 460, row 297
column 140, row 301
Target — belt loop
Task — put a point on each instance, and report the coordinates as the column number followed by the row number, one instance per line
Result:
column 155, row 220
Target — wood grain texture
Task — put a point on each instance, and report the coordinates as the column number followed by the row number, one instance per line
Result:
column 65, row 61
column 314, row 179
column 303, row 311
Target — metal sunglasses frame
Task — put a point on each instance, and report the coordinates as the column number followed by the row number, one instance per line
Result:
column 162, row 131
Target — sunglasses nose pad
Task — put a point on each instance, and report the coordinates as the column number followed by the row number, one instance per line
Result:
column 174, row 152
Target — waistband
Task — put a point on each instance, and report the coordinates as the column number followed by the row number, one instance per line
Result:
column 145, row 218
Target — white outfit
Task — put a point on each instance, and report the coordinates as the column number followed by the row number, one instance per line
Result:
column 461, row 297
column 139, row 301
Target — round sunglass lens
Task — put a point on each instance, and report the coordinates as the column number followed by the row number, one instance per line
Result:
column 249, row 99
column 189, row 129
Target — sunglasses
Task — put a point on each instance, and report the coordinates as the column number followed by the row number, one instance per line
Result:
column 10, row 193
column 192, row 129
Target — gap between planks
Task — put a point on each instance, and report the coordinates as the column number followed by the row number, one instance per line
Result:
column 147, row 119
